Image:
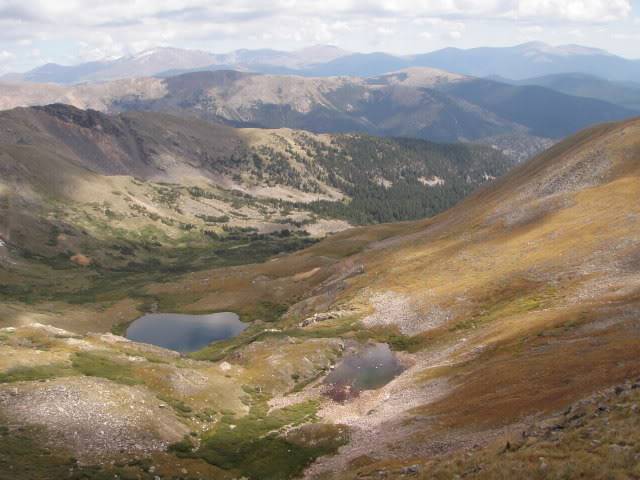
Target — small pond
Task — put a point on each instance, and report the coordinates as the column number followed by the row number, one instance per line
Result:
column 369, row 367
column 184, row 333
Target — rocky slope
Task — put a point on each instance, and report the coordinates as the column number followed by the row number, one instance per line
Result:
column 516, row 303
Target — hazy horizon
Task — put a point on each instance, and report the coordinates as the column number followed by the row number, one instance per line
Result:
column 34, row 33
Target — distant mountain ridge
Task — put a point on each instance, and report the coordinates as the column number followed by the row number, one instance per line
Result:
column 533, row 59
column 154, row 171
column 626, row 94
column 423, row 103
column 160, row 60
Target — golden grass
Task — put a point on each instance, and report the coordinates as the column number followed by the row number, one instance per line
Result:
column 504, row 286
column 540, row 295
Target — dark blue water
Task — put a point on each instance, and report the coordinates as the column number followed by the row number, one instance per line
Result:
column 184, row 333
column 368, row 368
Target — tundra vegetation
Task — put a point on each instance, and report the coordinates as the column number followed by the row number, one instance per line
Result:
column 512, row 314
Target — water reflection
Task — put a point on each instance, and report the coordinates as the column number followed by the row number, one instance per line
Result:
column 369, row 368
column 184, row 333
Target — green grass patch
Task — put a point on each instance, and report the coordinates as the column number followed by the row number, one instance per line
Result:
column 507, row 304
column 255, row 446
column 300, row 385
column 265, row 311
column 40, row 372
column 396, row 340
column 178, row 405
column 118, row 276
column 95, row 364
column 184, row 447
column 121, row 328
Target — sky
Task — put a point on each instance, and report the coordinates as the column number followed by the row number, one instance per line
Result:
column 34, row 32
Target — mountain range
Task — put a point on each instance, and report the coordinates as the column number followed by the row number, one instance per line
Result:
column 534, row 59
column 167, row 61
column 81, row 181
column 625, row 94
column 420, row 103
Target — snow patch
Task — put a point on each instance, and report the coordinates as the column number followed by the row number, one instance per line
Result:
column 431, row 181
column 383, row 182
column 146, row 53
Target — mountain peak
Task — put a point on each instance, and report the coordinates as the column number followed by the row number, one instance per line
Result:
column 321, row 49
column 420, row 77
column 532, row 45
column 164, row 50
column 565, row 50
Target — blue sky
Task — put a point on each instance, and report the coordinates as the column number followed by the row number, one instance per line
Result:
column 33, row 32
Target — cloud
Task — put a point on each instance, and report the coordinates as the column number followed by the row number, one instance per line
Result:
column 626, row 36
column 450, row 30
column 384, row 31
column 532, row 29
column 6, row 56
column 126, row 13
column 552, row 10
column 573, row 10
column 77, row 30
column 5, row 60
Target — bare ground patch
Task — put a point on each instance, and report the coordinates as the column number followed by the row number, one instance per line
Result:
column 395, row 309
column 93, row 417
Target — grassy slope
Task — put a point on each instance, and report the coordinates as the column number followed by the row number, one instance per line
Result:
column 224, row 408
column 514, row 304
column 409, row 104
column 594, row 438
column 145, row 197
column 536, row 277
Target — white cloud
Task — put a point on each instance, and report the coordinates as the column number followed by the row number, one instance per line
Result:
column 573, row 10
column 570, row 10
column 627, row 36
column 5, row 60
column 532, row 29
column 440, row 22
column 451, row 30
column 115, row 27
column 121, row 12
